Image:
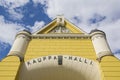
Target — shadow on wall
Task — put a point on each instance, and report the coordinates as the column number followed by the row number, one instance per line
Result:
column 49, row 69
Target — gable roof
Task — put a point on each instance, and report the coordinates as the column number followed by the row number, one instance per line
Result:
column 60, row 25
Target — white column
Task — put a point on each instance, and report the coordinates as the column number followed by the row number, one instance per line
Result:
column 100, row 43
column 20, row 44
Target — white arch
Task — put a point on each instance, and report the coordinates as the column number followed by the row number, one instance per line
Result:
column 58, row 67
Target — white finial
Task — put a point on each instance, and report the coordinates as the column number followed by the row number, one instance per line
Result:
column 60, row 20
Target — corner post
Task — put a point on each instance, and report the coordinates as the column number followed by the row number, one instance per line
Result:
column 20, row 44
column 100, row 44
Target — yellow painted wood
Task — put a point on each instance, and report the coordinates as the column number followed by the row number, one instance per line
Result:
column 112, row 78
column 73, row 28
column 6, row 78
column 113, row 73
column 45, row 47
column 48, row 28
column 110, row 67
column 9, row 68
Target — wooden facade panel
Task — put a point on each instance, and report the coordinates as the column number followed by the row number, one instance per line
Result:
column 112, row 78
column 110, row 59
column 110, row 67
column 7, row 78
column 76, row 47
column 112, row 74
column 9, row 68
column 8, row 73
column 110, row 64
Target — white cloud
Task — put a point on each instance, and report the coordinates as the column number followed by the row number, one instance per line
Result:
column 15, row 15
column 37, row 26
column 84, row 9
column 8, row 30
column 40, row 1
column 10, row 6
column 112, row 31
column 13, row 3
column 117, row 55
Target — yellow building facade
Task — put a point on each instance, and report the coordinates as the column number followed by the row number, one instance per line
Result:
column 60, row 51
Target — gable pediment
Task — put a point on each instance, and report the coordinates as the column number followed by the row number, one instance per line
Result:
column 60, row 25
column 60, row 29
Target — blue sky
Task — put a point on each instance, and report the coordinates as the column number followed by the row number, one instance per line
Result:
column 16, row 15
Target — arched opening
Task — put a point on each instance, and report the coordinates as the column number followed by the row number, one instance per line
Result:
column 59, row 68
